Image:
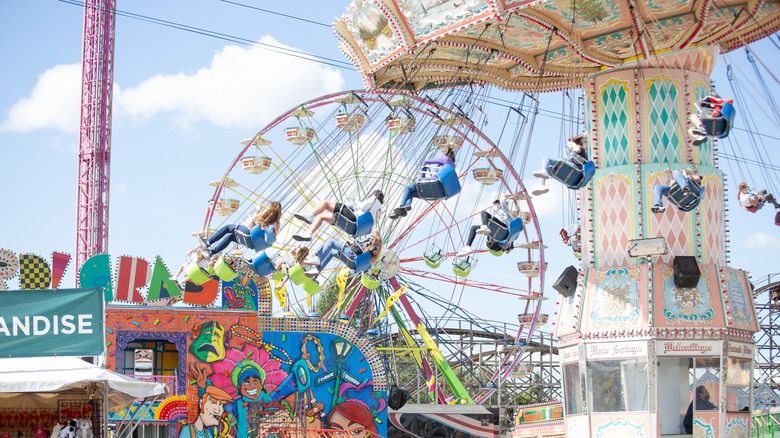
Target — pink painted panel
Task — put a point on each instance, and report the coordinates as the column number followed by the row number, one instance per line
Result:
column 698, row 307
column 617, row 299
column 614, row 219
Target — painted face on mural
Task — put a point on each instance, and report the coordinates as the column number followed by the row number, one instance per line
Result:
column 338, row 421
column 212, row 411
column 251, row 387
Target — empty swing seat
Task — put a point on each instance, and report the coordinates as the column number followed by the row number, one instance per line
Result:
column 262, row 264
column 433, row 257
column 446, row 184
column 254, row 240
column 361, row 263
column 719, row 126
column 503, row 234
column 572, row 176
column 684, row 201
column 463, row 267
column 359, row 227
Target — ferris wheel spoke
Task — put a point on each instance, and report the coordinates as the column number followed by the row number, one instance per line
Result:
column 493, row 287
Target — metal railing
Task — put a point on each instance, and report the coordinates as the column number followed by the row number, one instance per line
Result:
column 765, row 425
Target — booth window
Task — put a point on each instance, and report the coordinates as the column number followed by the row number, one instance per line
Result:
column 618, row 385
column 572, row 389
column 149, row 357
column 738, row 382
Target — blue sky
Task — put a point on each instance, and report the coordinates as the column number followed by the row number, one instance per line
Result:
column 183, row 101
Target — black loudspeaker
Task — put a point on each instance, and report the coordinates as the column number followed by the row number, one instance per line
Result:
column 686, row 272
column 397, row 397
column 567, row 282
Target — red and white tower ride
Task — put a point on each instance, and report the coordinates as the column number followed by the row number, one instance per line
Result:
column 95, row 129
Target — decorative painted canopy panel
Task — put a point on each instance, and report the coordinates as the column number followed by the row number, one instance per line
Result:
column 534, row 45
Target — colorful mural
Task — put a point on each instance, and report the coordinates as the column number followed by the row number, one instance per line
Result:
column 280, row 379
column 236, row 380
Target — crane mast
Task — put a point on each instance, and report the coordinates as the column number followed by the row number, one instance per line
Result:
column 95, row 129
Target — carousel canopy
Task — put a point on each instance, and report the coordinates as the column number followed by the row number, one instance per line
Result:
column 532, row 44
column 48, row 375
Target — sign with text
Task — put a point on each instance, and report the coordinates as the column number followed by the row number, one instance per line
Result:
column 65, row 322
column 688, row 348
column 739, row 349
column 570, row 354
column 616, row 350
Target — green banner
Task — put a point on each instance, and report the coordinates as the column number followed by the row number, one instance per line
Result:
column 62, row 322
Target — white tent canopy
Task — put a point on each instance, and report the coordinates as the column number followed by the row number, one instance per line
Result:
column 46, row 375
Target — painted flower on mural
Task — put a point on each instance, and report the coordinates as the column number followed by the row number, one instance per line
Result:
column 617, row 298
column 688, row 299
column 234, row 357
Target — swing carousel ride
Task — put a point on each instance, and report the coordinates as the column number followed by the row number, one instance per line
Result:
column 644, row 69
column 430, row 66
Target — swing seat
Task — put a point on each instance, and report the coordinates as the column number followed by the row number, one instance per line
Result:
column 572, row 176
column 361, row 263
column 360, row 227
column 298, row 276
column 503, row 234
column 195, row 274
column 262, row 264
column 224, row 271
column 446, row 185
column 254, row 240
column 433, row 257
column 777, row 219
column 564, row 235
column 369, row 280
column 683, row 202
column 496, row 252
column 719, row 126
column 463, row 267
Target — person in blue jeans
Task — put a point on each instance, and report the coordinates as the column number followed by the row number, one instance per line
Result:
column 267, row 219
column 499, row 211
column 428, row 172
column 687, row 179
column 577, row 155
column 348, row 250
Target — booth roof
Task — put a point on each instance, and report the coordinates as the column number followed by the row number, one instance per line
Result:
column 56, row 374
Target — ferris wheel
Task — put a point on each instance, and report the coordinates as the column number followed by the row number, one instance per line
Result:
column 344, row 146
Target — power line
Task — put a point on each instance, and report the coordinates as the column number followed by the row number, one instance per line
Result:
column 231, row 38
column 276, row 13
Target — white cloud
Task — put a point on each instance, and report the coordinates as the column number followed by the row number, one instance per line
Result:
column 762, row 240
column 241, row 87
column 119, row 187
column 53, row 103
